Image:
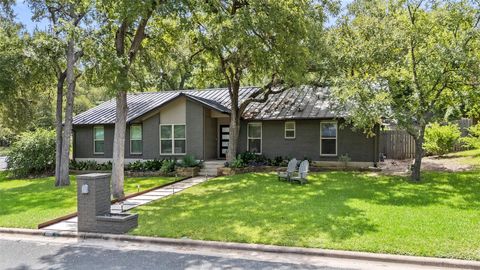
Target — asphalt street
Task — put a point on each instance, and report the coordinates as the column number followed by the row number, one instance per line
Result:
column 36, row 252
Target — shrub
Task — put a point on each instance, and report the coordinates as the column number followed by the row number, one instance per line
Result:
column 439, row 139
column 472, row 141
column 277, row 161
column 153, row 165
column 252, row 159
column 88, row 165
column 189, row 161
column 237, row 163
column 33, row 153
column 168, row 166
column 137, row 166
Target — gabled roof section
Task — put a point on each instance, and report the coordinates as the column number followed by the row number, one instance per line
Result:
column 142, row 103
column 306, row 102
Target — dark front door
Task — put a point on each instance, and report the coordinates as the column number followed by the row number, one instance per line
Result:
column 224, row 139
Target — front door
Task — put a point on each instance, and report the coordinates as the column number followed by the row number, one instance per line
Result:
column 224, row 139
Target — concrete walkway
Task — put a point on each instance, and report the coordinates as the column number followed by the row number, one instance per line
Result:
column 71, row 224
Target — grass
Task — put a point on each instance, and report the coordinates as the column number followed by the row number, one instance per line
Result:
column 3, row 151
column 337, row 210
column 25, row 203
column 470, row 157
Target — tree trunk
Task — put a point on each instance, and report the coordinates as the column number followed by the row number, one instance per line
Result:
column 119, row 145
column 417, row 165
column 234, row 136
column 67, row 128
column 234, row 122
column 59, row 127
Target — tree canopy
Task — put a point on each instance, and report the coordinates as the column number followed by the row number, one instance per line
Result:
column 412, row 61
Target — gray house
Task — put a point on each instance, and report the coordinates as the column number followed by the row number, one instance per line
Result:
column 296, row 123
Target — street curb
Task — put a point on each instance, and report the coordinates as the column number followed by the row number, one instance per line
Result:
column 353, row 255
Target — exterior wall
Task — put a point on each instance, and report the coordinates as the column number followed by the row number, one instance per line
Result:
column 202, row 142
column 181, row 111
column 307, row 142
column 151, row 137
column 210, row 136
column 174, row 112
column 194, row 123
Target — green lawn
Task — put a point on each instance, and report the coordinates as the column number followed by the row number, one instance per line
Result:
column 25, row 203
column 336, row 210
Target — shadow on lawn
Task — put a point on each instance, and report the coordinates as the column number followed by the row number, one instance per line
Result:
column 257, row 205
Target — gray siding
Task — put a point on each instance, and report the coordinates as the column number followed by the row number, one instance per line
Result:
column 151, row 137
column 202, row 139
column 194, row 129
column 210, row 136
column 307, row 142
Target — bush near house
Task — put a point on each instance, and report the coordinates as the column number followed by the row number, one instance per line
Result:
column 33, row 153
column 441, row 139
column 472, row 141
column 249, row 159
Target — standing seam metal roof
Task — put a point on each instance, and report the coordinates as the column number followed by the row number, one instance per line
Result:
column 304, row 102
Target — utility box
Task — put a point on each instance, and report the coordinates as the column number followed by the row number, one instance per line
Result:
column 93, row 204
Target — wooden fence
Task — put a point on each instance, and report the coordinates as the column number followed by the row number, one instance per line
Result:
column 397, row 144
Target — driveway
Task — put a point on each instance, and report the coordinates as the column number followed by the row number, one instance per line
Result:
column 3, row 163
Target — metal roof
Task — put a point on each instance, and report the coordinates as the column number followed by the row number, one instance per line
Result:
column 304, row 102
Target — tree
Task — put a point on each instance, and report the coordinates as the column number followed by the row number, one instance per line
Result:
column 122, row 31
column 24, row 84
column 65, row 18
column 408, row 60
column 272, row 43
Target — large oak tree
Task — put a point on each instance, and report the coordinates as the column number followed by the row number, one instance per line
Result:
column 268, row 43
column 409, row 60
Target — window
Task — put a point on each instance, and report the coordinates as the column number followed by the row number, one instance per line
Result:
column 328, row 138
column 98, row 140
column 290, row 130
column 136, row 139
column 254, row 137
column 173, row 139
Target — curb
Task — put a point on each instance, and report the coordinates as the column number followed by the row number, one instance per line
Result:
column 352, row 255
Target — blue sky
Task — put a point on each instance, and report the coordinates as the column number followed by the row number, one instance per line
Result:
column 24, row 16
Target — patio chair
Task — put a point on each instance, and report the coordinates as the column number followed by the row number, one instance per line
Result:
column 302, row 173
column 291, row 168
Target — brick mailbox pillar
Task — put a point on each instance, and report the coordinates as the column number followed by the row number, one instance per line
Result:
column 93, row 199
column 93, row 204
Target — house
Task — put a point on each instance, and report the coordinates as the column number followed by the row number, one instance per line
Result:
column 296, row 123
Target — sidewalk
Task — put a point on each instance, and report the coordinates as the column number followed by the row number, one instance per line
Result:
column 70, row 225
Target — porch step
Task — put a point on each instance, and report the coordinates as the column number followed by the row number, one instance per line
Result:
column 210, row 167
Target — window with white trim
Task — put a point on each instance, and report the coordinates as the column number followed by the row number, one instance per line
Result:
column 98, row 140
column 136, row 139
column 173, row 139
column 290, row 130
column 254, row 137
column 328, row 138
